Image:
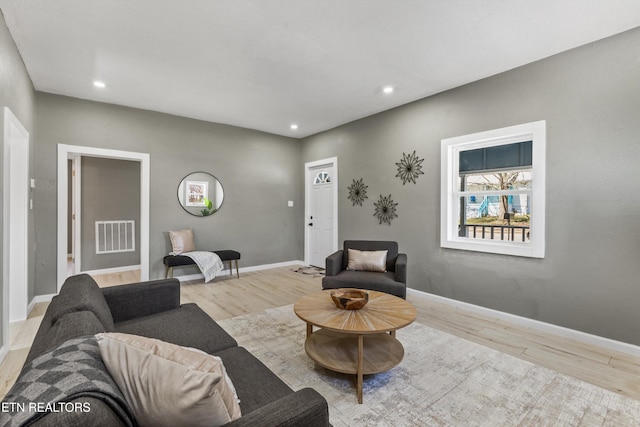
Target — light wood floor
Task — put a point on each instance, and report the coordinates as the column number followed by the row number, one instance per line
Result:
column 228, row 296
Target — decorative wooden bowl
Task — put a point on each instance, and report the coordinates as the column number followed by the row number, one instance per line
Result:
column 350, row 299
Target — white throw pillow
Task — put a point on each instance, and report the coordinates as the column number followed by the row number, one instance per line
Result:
column 166, row 384
column 367, row 260
column 182, row 241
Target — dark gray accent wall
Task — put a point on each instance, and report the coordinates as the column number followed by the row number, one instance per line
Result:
column 260, row 172
column 110, row 191
column 590, row 98
column 17, row 93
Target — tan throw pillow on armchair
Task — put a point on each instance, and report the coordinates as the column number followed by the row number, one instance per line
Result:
column 367, row 260
column 182, row 241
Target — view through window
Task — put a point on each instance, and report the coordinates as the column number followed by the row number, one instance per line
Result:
column 493, row 189
column 495, row 192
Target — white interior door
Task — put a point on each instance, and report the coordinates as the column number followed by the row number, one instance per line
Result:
column 321, row 213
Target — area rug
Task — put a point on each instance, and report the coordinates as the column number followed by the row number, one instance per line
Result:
column 443, row 380
column 310, row 271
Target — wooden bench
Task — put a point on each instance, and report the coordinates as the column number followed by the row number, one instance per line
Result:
column 171, row 261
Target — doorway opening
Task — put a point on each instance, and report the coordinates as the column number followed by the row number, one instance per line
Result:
column 66, row 189
column 103, row 211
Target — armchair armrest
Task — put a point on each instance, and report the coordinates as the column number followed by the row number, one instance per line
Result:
column 142, row 299
column 304, row 408
column 333, row 263
column 401, row 268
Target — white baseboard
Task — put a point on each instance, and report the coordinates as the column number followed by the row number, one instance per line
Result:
column 190, row 277
column 38, row 299
column 538, row 325
column 226, row 271
column 268, row 266
column 112, row 270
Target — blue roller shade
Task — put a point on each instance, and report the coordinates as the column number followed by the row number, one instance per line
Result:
column 507, row 156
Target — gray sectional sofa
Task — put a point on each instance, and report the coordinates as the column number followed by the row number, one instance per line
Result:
column 152, row 309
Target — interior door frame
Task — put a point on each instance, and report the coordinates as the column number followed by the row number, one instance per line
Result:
column 64, row 152
column 76, row 237
column 14, row 292
column 308, row 174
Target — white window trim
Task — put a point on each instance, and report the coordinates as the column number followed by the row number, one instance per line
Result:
column 451, row 147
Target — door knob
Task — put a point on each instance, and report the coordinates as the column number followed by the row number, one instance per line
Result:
column 310, row 223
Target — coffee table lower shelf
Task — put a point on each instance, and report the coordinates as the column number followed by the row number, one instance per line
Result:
column 357, row 354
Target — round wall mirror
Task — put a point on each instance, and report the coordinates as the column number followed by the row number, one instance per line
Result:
column 200, row 194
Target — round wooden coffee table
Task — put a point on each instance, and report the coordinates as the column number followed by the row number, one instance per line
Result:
column 358, row 342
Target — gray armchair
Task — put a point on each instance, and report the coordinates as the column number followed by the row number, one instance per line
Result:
column 393, row 281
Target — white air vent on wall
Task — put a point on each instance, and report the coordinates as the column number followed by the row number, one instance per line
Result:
column 115, row 236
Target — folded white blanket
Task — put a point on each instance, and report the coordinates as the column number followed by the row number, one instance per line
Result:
column 209, row 263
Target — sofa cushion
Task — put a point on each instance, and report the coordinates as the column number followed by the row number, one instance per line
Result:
column 74, row 325
column 81, row 293
column 255, row 384
column 187, row 326
column 367, row 260
column 71, row 325
column 166, row 384
column 142, row 299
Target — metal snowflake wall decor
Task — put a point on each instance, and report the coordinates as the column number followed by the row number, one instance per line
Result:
column 358, row 192
column 409, row 168
column 385, row 209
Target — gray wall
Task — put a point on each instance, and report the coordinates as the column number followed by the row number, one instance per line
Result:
column 259, row 172
column 110, row 191
column 16, row 92
column 590, row 98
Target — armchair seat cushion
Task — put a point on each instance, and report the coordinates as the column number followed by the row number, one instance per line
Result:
column 382, row 282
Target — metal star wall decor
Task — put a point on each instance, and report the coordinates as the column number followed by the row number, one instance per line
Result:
column 409, row 168
column 358, row 192
column 385, row 209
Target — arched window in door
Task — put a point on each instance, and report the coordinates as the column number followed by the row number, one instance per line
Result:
column 322, row 178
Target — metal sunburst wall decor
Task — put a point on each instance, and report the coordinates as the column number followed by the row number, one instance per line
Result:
column 409, row 168
column 358, row 192
column 385, row 209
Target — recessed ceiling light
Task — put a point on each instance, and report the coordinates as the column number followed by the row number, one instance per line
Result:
column 388, row 89
column 99, row 84
column 294, row 126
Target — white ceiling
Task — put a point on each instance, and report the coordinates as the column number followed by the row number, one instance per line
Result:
column 264, row 64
